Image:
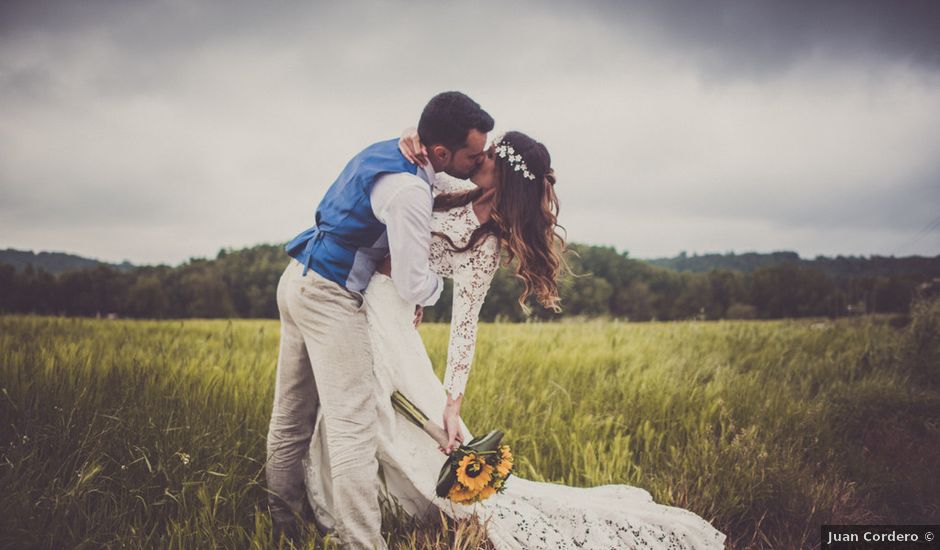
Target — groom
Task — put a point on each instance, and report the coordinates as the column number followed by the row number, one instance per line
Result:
column 379, row 205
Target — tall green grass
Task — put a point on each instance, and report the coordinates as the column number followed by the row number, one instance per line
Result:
column 141, row 434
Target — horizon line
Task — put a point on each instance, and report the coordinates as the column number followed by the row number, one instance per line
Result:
column 688, row 254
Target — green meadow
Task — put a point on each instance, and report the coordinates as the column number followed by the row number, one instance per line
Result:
column 151, row 434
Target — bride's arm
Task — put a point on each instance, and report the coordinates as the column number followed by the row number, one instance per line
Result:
column 411, row 147
column 472, row 277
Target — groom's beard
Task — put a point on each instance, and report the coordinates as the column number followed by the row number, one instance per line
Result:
column 462, row 175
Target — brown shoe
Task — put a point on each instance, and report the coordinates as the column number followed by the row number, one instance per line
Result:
column 286, row 535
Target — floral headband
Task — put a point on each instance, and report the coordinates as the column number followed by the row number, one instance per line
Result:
column 505, row 151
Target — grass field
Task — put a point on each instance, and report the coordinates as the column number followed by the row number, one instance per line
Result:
column 143, row 434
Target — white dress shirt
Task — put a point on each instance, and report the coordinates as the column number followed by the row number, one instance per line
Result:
column 403, row 202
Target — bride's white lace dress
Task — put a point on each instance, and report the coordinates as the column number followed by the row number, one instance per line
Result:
column 528, row 514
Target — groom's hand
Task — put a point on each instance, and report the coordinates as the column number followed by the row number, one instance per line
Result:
column 385, row 268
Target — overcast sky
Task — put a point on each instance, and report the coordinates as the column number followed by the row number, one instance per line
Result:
column 162, row 130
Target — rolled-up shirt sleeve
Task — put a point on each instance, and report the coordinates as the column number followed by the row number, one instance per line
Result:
column 403, row 203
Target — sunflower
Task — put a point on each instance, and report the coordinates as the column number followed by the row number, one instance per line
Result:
column 461, row 495
column 504, row 466
column 473, row 472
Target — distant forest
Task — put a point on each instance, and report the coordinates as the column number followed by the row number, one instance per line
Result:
column 242, row 283
column 53, row 262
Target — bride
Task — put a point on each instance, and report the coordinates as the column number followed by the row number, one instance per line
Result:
column 510, row 206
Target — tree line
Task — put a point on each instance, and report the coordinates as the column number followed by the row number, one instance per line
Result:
column 603, row 283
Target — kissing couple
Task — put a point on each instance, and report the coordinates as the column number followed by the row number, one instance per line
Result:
column 401, row 215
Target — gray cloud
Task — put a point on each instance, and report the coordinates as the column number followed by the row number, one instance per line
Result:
column 735, row 38
column 161, row 130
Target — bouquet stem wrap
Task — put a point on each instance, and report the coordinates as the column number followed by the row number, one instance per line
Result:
column 418, row 418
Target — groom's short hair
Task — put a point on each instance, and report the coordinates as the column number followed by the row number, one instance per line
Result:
column 448, row 118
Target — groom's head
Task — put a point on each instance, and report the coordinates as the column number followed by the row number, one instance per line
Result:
column 453, row 127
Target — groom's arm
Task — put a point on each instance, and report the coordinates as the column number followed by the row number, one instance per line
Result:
column 404, row 204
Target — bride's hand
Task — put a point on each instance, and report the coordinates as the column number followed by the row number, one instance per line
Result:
column 419, row 314
column 452, row 424
column 410, row 145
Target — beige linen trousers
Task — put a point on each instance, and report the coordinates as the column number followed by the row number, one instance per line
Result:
column 325, row 362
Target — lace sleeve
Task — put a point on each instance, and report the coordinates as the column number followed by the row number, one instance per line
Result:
column 473, row 273
column 445, row 183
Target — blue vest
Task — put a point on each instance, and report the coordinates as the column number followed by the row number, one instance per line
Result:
column 348, row 242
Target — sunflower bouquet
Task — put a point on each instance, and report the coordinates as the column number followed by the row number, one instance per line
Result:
column 473, row 472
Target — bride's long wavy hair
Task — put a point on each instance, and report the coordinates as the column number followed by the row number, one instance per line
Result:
column 523, row 219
